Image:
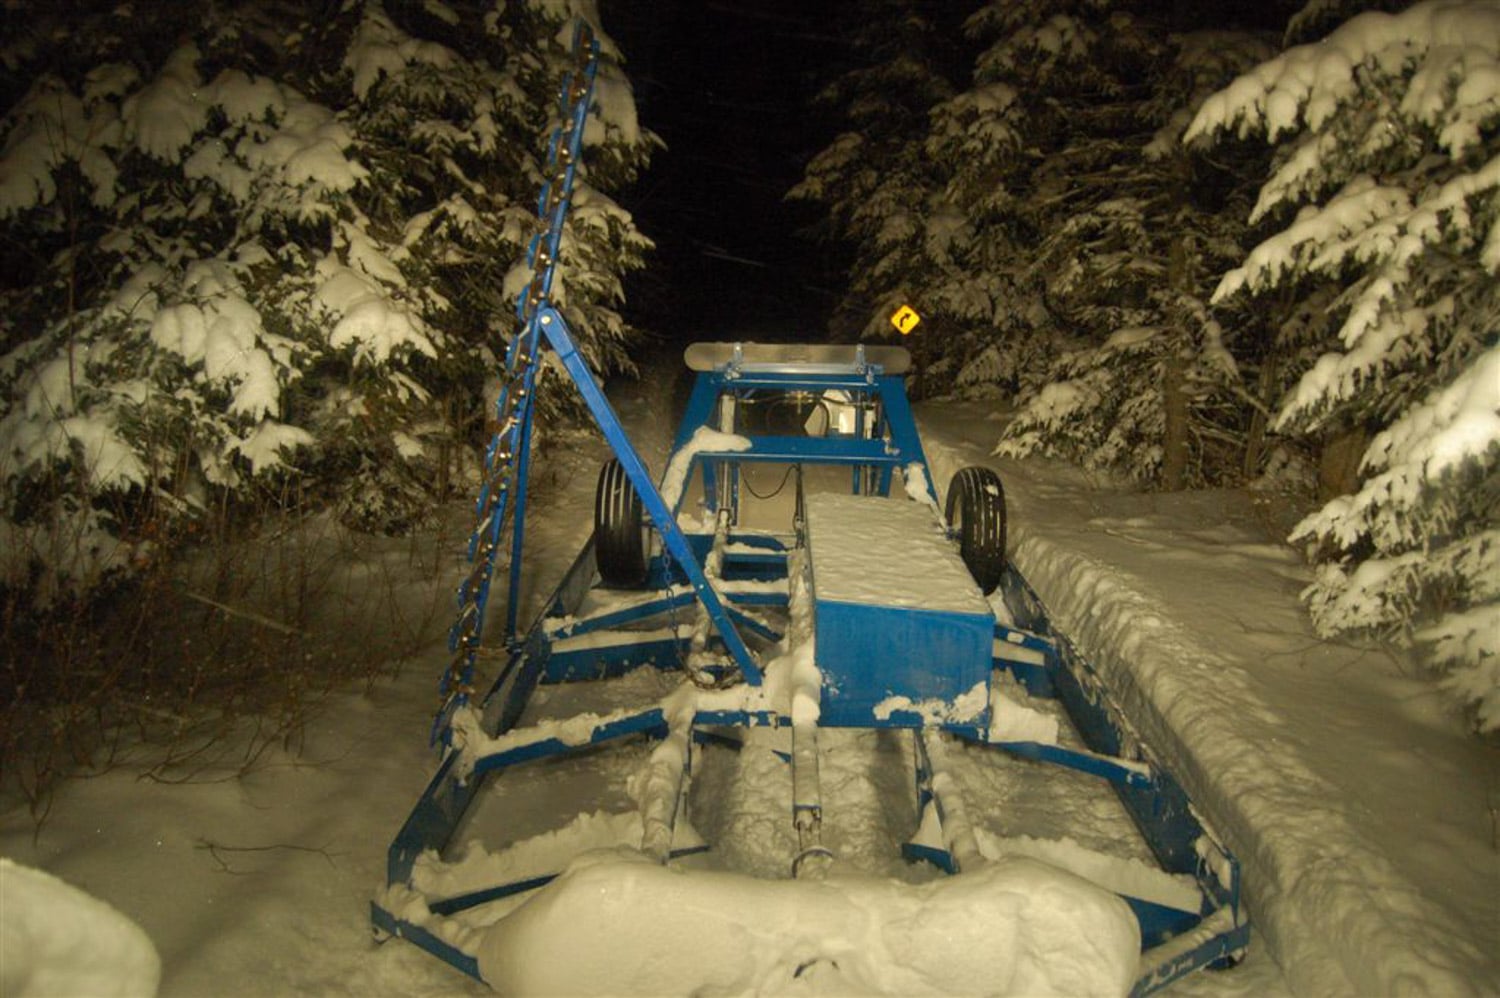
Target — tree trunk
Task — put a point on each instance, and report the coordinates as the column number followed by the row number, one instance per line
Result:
column 1338, row 465
column 1174, row 399
column 1174, row 438
column 1255, row 437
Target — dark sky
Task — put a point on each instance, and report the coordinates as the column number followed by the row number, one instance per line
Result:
column 729, row 86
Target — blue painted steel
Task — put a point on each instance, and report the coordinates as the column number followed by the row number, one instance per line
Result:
column 523, row 477
column 556, row 330
column 1158, row 922
column 1218, row 949
column 1036, row 677
column 811, row 450
column 1162, row 812
column 504, row 481
column 1116, row 771
column 647, row 722
column 646, row 609
column 580, row 664
column 385, row 921
column 868, row 654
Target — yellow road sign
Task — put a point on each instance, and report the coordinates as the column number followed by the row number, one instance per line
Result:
column 905, row 319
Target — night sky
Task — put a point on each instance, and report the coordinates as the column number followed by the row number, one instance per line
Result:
column 729, row 86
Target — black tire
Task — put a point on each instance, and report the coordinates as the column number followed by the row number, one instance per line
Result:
column 621, row 543
column 976, row 515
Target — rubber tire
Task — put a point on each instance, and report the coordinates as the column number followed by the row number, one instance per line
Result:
column 620, row 538
column 976, row 514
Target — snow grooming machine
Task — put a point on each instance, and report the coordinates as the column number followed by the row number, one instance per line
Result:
column 800, row 630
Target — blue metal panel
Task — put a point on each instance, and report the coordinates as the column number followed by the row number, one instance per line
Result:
column 868, row 654
column 810, row 450
column 615, row 660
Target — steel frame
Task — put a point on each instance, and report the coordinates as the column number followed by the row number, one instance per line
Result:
column 1174, row 942
column 725, row 577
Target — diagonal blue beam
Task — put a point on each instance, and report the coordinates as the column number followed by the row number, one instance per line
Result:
column 555, row 328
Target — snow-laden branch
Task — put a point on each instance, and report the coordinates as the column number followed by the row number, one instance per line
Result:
column 1304, row 87
column 1392, row 120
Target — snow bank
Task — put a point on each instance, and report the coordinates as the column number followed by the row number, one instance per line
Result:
column 1014, row 927
column 57, row 940
column 1334, row 911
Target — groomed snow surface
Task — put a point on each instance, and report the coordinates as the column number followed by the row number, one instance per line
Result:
column 1359, row 807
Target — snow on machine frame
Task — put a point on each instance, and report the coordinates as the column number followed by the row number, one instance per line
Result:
column 731, row 608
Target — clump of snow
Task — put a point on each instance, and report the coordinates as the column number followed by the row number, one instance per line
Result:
column 265, row 445
column 1013, row 927
column 967, row 707
column 1129, row 877
column 49, row 126
column 379, row 48
column 807, row 684
column 56, row 940
column 703, row 439
column 366, row 318
column 163, row 116
column 918, row 487
column 1014, row 722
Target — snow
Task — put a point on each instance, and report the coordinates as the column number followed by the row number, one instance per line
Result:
column 380, row 49
column 265, row 445
column 1458, row 36
column 1014, row 722
column 674, row 479
column 1330, row 772
column 867, row 550
column 365, row 317
column 164, row 115
column 1356, row 802
column 57, row 940
column 51, row 127
column 968, row 706
column 1016, row 927
column 1123, row 876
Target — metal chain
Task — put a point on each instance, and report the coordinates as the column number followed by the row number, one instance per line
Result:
column 515, row 406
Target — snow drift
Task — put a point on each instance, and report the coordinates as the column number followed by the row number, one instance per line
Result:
column 1015, row 927
column 57, row 940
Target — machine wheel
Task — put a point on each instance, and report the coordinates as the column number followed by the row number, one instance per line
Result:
column 976, row 514
column 621, row 541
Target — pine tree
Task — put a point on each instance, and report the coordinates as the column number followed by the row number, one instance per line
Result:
column 271, row 248
column 1125, row 369
column 1385, row 186
column 882, row 194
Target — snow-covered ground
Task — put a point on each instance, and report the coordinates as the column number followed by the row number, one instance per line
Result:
column 1362, row 812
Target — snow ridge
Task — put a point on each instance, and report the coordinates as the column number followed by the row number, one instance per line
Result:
column 1310, row 876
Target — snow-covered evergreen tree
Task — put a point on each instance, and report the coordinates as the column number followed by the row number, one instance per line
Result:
column 269, row 248
column 882, row 194
column 1387, row 182
column 1124, row 369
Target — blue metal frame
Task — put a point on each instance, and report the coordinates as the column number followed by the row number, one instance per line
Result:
column 1175, row 942
column 698, row 573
